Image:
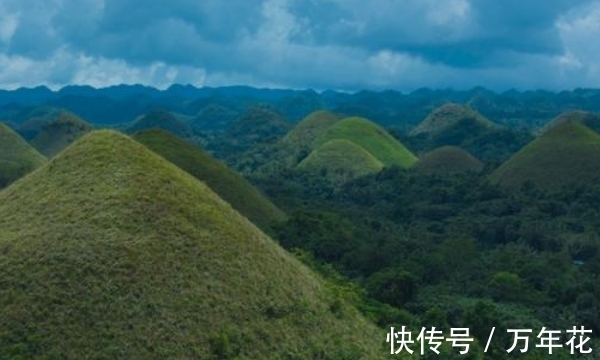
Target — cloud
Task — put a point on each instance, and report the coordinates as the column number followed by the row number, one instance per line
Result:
column 340, row 44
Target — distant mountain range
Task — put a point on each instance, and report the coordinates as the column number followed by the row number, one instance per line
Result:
column 120, row 104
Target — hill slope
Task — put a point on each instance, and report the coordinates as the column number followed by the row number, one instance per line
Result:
column 110, row 251
column 304, row 134
column 55, row 135
column 160, row 119
column 17, row 157
column 228, row 184
column 589, row 119
column 443, row 119
column 448, row 160
column 372, row 138
column 568, row 153
column 341, row 160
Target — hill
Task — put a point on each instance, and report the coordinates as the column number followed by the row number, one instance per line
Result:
column 448, row 160
column 17, row 157
column 591, row 120
column 112, row 252
column 304, row 134
column 213, row 117
column 341, row 160
column 448, row 117
column 372, row 138
column 58, row 133
column 568, row 153
column 160, row 119
column 228, row 184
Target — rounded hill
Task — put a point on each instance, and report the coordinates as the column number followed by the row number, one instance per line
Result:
column 371, row 137
column 448, row 160
column 444, row 119
column 110, row 251
column 58, row 133
column 17, row 157
column 304, row 134
column 160, row 119
column 566, row 154
column 341, row 160
column 228, row 184
column 589, row 119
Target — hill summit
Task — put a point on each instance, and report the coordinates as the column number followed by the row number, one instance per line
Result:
column 448, row 118
column 448, row 160
column 59, row 132
column 566, row 154
column 110, row 251
column 17, row 157
column 228, row 184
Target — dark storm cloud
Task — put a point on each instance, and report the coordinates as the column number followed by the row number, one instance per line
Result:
column 348, row 44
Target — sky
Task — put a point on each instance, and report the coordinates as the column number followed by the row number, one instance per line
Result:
column 320, row 44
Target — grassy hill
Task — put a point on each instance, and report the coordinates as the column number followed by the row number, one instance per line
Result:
column 228, row 184
column 161, row 119
column 443, row 119
column 304, row 134
column 341, row 160
column 213, row 117
column 589, row 119
column 111, row 252
column 568, row 153
column 58, row 133
column 372, row 138
column 448, row 160
column 17, row 157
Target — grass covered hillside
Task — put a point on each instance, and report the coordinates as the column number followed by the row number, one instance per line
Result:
column 449, row 116
column 17, row 157
column 372, row 138
column 340, row 161
column 304, row 134
column 589, row 119
column 228, row 184
column 213, row 117
column 161, row 119
column 567, row 154
column 111, row 252
column 58, row 133
column 448, row 160
column 254, row 126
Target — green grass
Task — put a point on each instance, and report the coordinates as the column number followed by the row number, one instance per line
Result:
column 448, row 116
column 160, row 119
column 228, row 184
column 373, row 139
column 567, row 154
column 55, row 135
column 448, row 160
column 341, row 160
column 256, row 125
column 304, row 134
column 591, row 120
column 17, row 157
column 111, row 252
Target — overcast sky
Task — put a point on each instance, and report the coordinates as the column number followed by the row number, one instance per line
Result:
column 320, row 44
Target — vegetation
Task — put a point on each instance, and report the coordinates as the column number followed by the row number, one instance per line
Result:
column 55, row 135
column 305, row 133
column 228, row 184
column 448, row 160
column 591, row 120
column 341, row 160
column 111, row 252
column 17, row 157
column 160, row 119
column 448, row 116
column 567, row 154
column 373, row 139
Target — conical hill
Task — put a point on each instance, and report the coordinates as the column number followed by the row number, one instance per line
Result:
column 372, row 138
column 340, row 161
column 111, row 252
column 17, row 157
column 567, row 154
column 448, row 160
column 228, row 184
